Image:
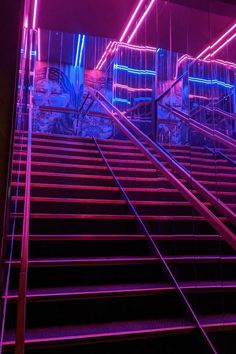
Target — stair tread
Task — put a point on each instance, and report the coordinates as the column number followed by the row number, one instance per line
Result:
column 119, row 289
column 116, row 330
column 120, row 260
column 114, row 217
column 119, row 237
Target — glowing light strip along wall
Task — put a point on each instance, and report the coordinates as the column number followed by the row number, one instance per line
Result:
column 222, row 46
column 136, row 47
column 210, row 82
column 141, row 20
column 131, row 89
column 134, row 71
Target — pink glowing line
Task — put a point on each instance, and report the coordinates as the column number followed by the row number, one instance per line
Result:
column 222, row 46
column 107, row 54
column 203, row 52
column 104, row 54
column 216, row 42
column 223, row 36
column 141, row 20
column 136, row 47
column 39, row 45
column 131, row 89
column 131, row 20
column 35, row 13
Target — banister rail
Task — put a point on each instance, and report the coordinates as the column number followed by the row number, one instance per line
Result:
column 213, row 220
column 157, row 252
column 214, row 135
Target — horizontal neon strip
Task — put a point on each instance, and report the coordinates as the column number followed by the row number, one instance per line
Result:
column 132, row 89
column 121, row 100
column 210, row 82
column 134, row 71
column 136, row 47
column 141, row 99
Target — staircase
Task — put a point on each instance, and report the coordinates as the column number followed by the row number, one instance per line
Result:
column 94, row 284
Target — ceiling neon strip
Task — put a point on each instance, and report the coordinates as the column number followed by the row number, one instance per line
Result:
column 35, row 13
column 134, row 71
column 131, row 21
column 210, row 82
column 221, row 47
column 141, row 20
column 107, row 50
column 221, row 38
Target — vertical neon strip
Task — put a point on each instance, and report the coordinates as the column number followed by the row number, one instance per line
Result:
column 141, row 20
column 77, row 50
column 39, row 44
column 35, row 13
column 81, row 50
column 131, row 20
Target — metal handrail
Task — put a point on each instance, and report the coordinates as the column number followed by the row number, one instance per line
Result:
column 214, row 135
column 216, row 110
column 213, row 220
column 157, row 251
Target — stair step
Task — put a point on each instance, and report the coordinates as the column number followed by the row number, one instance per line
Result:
column 57, row 336
column 120, row 290
column 123, row 260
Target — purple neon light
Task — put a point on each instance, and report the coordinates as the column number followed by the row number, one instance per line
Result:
column 217, row 42
column 141, row 20
column 112, row 44
column 222, row 46
column 39, row 44
column 131, row 20
column 35, row 13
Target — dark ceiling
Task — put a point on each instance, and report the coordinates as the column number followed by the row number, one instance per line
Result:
column 186, row 26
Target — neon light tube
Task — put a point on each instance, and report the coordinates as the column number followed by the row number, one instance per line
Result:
column 216, row 42
column 222, row 46
column 141, row 20
column 77, row 50
column 136, row 47
column 223, row 36
column 203, row 52
column 81, row 50
column 103, row 56
column 122, row 100
column 39, row 45
column 131, row 20
column 35, row 13
column 134, row 71
column 210, row 82
column 131, row 89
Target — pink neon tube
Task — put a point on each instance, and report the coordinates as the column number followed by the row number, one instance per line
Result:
column 141, row 20
column 131, row 20
column 35, row 13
